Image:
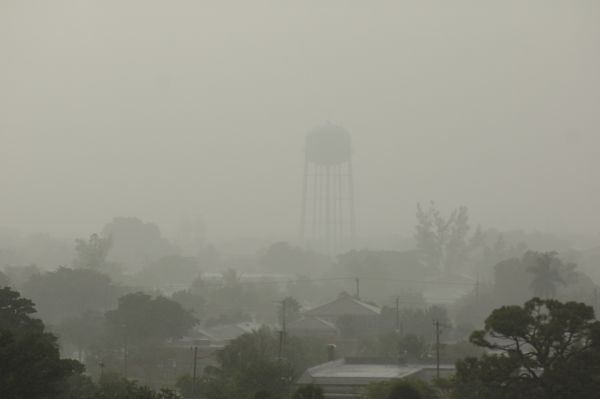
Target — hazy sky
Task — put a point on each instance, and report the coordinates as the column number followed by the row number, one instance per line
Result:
column 159, row 109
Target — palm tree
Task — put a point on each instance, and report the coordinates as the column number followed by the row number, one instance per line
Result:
column 546, row 274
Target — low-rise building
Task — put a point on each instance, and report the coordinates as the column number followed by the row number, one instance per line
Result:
column 347, row 378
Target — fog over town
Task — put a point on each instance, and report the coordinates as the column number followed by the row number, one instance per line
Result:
column 246, row 199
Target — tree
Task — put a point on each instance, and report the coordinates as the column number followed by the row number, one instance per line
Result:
column 4, row 280
column 252, row 364
column 113, row 386
column 404, row 391
column 265, row 395
column 135, row 243
column 67, row 293
column 442, row 241
column 543, row 349
column 309, row 391
column 116, row 387
column 401, row 389
column 30, row 364
column 170, row 271
column 190, row 301
column 81, row 332
column 546, row 274
column 457, row 247
column 231, row 297
column 91, row 254
column 427, row 240
column 141, row 318
column 292, row 309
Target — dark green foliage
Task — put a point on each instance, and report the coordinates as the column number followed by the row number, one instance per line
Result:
column 292, row 309
column 174, row 270
column 308, row 392
column 4, row 280
column 190, row 301
column 545, row 349
column 91, row 254
column 135, row 243
column 81, row 332
column 79, row 386
column 266, row 395
column 442, row 241
column 141, row 318
column 30, row 365
column 401, row 389
column 250, row 364
column 67, row 293
column 542, row 274
column 546, row 270
column 231, row 297
column 114, row 386
column 185, row 386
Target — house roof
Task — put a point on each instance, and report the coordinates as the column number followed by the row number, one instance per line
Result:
column 312, row 323
column 341, row 372
column 344, row 305
column 352, row 372
column 228, row 332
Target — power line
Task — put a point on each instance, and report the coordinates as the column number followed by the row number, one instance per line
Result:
column 313, row 280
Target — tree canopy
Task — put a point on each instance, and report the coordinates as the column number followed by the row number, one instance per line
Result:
column 543, row 349
column 91, row 254
column 142, row 318
column 67, row 293
column 30, row 364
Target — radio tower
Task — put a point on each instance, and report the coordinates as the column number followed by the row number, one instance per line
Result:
column 328, row 222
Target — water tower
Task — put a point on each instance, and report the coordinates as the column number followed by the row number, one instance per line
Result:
column 328, row 222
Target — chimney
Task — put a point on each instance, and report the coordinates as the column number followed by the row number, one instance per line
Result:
column 331, row 352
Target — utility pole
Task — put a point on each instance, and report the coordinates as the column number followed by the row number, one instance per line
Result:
column 437, row 348
column 194, row 372
column 399, row 333
column 125, row 351
column 101, row 364
column 398, row 324
column 357, row 281
column 283, row 331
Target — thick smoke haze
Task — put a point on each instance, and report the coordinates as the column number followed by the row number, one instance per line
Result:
column 164, row 109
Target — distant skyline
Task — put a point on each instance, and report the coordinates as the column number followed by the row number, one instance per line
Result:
column 156, row 110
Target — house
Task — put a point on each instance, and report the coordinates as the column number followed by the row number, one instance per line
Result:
column 347, row 378
column 311, row 326
column 223, row 334
column 350, row 315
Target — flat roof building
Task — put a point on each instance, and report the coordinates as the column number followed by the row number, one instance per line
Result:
column 347, row 378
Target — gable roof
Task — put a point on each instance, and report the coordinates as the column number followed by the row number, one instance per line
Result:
column 344, row 305
column 229, row 332
column 313, row 324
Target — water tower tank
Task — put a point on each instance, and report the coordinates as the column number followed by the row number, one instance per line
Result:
column 327, row 223
column 328, row 145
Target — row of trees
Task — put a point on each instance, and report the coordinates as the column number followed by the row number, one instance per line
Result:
column 542, row 349
column 31, row 366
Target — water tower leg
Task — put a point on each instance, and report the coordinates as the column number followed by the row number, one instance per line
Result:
column 351, row 198
column 304, row 200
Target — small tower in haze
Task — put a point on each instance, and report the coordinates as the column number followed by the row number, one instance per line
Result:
column 328, row 221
